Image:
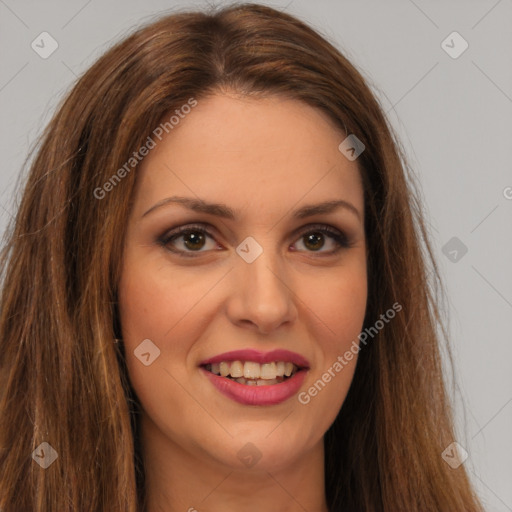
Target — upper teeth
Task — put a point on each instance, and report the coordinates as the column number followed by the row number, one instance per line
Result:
column 252, row 370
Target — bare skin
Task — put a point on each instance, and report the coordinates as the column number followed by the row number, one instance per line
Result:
column 264, row 158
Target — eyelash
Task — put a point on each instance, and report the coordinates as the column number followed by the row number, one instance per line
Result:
column 338, row 236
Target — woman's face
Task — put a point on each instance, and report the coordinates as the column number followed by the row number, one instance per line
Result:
column 262, row 285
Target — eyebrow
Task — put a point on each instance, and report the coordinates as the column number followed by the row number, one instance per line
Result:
column 224, row 211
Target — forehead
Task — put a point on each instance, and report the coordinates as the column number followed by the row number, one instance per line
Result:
column 264, row 152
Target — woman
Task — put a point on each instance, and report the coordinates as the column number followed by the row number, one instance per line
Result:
column 215, row 291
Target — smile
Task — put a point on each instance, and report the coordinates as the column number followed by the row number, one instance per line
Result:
column 251, row 373
column 251, row 377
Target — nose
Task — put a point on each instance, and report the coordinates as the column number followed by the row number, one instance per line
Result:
column 263, row 298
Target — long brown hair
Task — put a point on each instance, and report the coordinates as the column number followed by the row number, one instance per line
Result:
column 62, row 378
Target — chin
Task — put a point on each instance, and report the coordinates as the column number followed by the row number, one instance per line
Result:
column 262, row 449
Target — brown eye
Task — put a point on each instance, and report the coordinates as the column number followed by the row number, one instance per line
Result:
column 193, row 240
column 314, row 239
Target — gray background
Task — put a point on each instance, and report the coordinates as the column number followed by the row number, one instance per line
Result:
column 453, row 115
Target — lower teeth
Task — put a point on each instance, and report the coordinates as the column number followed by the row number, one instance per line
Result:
column 257, row 382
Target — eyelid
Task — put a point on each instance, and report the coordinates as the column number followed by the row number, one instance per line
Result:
column 339, row 236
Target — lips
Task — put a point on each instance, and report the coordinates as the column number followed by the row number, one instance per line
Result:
column 251, row 377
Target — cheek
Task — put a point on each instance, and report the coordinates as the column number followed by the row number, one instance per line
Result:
column 167, row 308
column 155, row 304
column 346, row 306
column 341, row 309
column 157, row 307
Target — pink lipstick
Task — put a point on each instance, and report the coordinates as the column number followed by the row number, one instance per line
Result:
column 252, row 377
